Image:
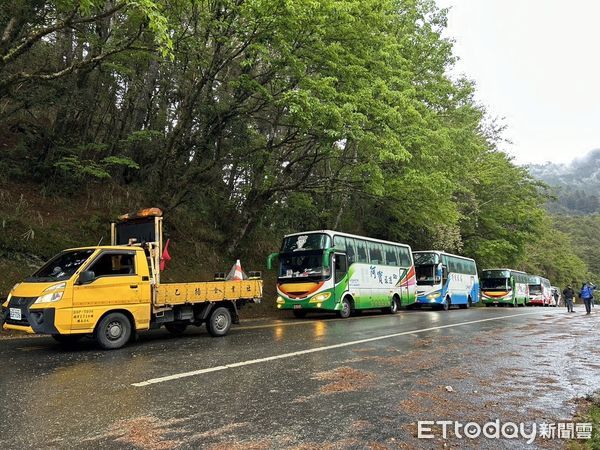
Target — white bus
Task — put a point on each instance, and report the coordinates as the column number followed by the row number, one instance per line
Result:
column 444, row 280
column 331, row 271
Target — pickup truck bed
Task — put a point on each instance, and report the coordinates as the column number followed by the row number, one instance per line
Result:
column 209, row 291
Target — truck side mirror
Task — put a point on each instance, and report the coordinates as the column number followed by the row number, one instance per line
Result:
column 86, row 277
column 270, row 259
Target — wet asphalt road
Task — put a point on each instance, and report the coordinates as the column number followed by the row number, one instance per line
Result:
column 527, row 364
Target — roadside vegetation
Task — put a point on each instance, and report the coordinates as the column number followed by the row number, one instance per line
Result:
column 244, row 120
column 589, row 412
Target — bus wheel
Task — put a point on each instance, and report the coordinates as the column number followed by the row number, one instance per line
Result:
column 344, row 313
column 394, row 306
column 176, row 328
column 113, row 331
column 299, row 313
column 445, row 306
column 219, row 322
column 466, row 305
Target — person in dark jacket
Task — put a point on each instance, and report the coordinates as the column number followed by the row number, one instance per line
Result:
column 569, row 295
column 587, row 295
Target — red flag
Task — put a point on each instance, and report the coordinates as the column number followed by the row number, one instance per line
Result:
column 165, row 258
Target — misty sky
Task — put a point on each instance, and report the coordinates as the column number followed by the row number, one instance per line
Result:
column 537, row 64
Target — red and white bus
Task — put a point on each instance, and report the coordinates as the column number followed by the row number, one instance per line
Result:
column 540, row 291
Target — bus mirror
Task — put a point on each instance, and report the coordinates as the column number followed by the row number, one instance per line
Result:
column 327, row 257
column 440, row 270
column 270, row 259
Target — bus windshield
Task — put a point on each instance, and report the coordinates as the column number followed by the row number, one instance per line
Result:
column 61, row 267
column 426, row 274
column 305, row 265
column 426, row 258
column 311, row 241
column 535, row 288
column 495, row 284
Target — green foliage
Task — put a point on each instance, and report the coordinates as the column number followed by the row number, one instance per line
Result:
column 73, row 166
column 551, row 253
column 259, row 117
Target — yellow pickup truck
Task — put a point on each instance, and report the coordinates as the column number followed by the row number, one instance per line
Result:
column 111, row 292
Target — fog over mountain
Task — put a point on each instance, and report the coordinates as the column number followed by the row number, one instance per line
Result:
column 577, row 185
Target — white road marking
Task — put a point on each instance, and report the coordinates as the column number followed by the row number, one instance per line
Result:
column 192, row 373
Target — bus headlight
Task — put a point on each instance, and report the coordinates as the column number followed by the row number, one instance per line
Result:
column 433, row 296
column 54, row 294
column 280, row 300
column 320, row 298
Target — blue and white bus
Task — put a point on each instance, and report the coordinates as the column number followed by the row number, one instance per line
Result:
column 445, row 280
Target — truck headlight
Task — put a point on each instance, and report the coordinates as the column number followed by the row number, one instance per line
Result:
column 52, row 294
column 10, row 294
column 320, row 298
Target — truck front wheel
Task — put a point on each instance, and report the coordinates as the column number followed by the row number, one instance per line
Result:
column 113, row 331
column 219, row 322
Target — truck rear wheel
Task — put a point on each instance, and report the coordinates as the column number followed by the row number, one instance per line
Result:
column 176, row 328
column 113, row 331
column 219, row 322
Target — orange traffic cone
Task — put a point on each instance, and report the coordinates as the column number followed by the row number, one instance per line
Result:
column 236, row 272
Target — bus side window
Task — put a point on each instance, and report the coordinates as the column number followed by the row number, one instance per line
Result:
column 350, row 250
column 454, row 265
column 361, row 251
column 390, row 255
column 404, row 256
column 375, row 253
column 339, row 242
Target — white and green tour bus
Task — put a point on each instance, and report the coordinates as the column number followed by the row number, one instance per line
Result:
column 504, row 287
column 332, row 271
column 445, row 280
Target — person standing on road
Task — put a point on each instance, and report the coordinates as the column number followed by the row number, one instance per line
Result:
column 556, row 296
column 587, row 295
column 569, row 295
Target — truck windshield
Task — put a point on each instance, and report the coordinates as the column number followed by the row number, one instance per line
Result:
column 305, row 265
column 491, row 284
column 425, row 274
column 61, row 267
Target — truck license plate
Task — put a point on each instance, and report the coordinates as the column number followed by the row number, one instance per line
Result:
column 15, row 314
column 297, row 306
